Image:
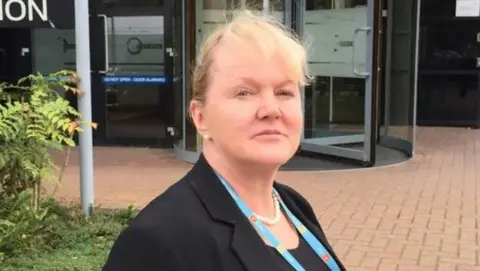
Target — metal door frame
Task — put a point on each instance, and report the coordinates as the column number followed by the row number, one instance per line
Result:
column 175, row 128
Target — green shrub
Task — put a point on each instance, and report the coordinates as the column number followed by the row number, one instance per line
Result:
column 34, row 119
column 64, row 239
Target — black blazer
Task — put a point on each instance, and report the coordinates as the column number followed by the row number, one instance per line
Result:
column 196, row 226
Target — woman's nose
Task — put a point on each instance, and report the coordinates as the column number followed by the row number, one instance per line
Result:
column 269, row 108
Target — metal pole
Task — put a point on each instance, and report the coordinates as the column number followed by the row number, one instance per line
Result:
column 82, row 38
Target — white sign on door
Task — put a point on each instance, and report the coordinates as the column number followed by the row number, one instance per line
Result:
column 467, row 8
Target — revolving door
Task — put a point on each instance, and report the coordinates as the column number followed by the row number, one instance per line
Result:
column 362, row 56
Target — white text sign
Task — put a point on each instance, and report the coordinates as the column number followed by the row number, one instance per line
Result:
column 20, row 10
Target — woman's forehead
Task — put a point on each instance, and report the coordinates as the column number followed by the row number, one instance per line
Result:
column 248, row 56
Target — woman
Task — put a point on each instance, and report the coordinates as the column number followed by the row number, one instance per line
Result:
column 228, row 213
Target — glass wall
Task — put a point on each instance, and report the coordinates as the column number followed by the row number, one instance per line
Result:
column 449, row 86
column 363, row 61
column 209, row 14
column 128, row 39
column 338, row 102
column 53, row 50
column 135, row 48
column 201, row 18
column 399, row 92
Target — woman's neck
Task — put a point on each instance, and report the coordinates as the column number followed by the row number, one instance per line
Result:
column 253, row 184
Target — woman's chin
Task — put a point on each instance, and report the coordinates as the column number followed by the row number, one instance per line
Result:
column 273, row 157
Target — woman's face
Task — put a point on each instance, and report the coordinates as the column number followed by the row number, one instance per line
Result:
column 253, row 111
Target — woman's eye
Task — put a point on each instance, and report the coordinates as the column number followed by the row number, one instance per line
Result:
column 286, row 93
column 243, row 93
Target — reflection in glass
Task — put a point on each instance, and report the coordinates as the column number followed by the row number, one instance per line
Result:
column 136, row 47
column 334, row 106
column 448, row 99
column 208, row 15
column 448, row 91
column 449, row 45
column 53, row 50
column 398, row 94
column 214, row 4
column 333, row 4
column 133, row 3
column 335, row 101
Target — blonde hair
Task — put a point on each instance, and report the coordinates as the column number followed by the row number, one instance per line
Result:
column 269, row 35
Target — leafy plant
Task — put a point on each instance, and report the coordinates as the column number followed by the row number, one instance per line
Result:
column 21, row 226
column 63, row 239
column 35, row 119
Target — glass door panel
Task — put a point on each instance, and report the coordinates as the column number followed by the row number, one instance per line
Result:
column 337, row 104
column 210, row 14
column 135, row 81
column 136, row 100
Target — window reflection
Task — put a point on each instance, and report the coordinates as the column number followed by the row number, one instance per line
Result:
column 434, row 9
column 276, row 5
column 333, row 4
column 449, row 45
column 319, row 4
column 447, row 99
column 136, row 47
column 252, row 4
column 133, row 3
column 448, row 78
column 214, row 4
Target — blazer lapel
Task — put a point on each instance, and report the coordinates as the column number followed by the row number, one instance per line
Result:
column 246, row 243
column 250, row 248
column 310, row 225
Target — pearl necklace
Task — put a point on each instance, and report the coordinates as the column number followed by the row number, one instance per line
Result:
column 277, row 216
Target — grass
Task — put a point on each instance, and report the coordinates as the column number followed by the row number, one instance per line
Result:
column 67, row 240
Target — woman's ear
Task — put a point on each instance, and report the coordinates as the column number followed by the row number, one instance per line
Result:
column 197, row 113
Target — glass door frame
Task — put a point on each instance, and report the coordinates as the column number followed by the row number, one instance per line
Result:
column 367, row 155
column 174, row 40
column 99, row 13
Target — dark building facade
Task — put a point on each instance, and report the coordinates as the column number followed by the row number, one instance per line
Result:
column 363, row 55
column 449, row 90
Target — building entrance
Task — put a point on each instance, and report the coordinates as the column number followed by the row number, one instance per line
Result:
column 135, row 71
column 136, row 66
column 359, row 109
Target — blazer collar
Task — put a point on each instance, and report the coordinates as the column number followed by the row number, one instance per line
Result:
column 212, row 193
column 246, row 242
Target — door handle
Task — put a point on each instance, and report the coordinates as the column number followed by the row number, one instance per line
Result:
column 105, row 25
column 365, row 29
column 170, row 51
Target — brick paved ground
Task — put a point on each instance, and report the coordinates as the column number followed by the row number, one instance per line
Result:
column 420, row 215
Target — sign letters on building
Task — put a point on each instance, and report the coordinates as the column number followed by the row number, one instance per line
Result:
column 23, row 10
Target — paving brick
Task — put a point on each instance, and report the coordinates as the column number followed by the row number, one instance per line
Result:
column 355, row 257
column 442, row 266
column 415, row 216
column 428, row 260
column 370, row 262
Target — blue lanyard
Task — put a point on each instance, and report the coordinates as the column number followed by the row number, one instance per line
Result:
column 306, row 234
